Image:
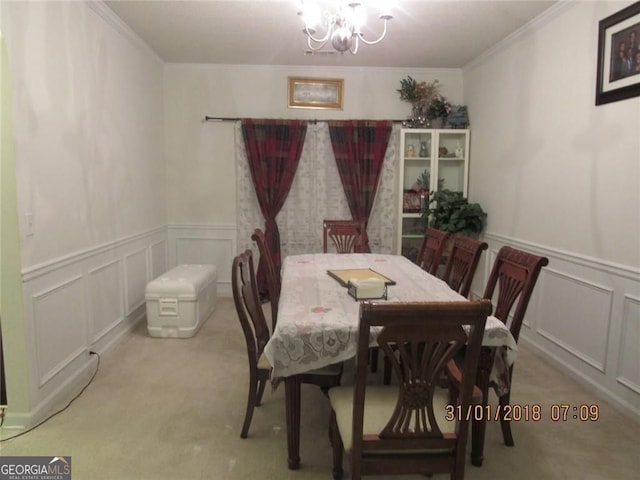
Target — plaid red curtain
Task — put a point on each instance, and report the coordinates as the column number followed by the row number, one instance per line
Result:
column 273, row 151
column 359, row 147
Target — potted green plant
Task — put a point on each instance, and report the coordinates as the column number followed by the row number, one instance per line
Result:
column 451, row 212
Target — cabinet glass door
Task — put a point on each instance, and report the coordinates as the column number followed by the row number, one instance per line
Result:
column 415, row 178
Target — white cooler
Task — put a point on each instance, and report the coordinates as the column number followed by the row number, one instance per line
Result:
column 179, row 301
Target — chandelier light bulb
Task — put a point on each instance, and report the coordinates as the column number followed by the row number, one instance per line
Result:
column 311, row 14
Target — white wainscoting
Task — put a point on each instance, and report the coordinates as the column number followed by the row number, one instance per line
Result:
column 584, row 316
column 80, row 303
column 203, row 244
column 89, row 300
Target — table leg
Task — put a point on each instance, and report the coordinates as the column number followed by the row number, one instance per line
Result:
column 479, row 425
column 292, row 408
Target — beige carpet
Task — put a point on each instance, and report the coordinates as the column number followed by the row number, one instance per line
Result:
column 172, row 409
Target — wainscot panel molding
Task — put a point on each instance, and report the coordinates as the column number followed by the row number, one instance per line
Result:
column 59, row 338
column 137, row 275
column 584, row 318
column 581, row 299
column 105, row 295
column 159, row 257
column 628, row 372
column 84, row 302
column 205, row 244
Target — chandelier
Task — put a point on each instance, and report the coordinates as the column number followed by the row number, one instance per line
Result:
column 342, row 28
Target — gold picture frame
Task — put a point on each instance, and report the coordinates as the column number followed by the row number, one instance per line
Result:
column 319, row 93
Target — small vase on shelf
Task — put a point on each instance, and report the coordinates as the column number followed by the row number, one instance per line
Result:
column 459, row 151
column 424, row 152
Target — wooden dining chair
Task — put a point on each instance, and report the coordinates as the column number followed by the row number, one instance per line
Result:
column 347, row 236
column 430, row 253
column 256, row 334
column 429, row 258
column 462, row 263
column 459, row 271
column 512, row 279
column 273, row 277
column 413, row 426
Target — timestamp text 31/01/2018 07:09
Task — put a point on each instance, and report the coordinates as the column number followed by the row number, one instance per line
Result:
column 557, row 412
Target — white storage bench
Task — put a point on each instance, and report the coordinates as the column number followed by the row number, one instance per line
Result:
column 179, row 301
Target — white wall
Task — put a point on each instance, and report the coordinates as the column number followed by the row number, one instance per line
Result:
column 561, row 177
column 90, row 168
column 88, row 128
column 201, row 156
column 566, row 167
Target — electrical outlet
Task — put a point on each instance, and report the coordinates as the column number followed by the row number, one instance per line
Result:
column 30, row 230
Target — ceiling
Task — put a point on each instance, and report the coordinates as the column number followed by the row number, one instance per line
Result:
column 422, row 34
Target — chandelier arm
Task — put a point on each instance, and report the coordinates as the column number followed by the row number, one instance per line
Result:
column 355, row 45
column 322, row 40
column 384, row 32
column 319, row 47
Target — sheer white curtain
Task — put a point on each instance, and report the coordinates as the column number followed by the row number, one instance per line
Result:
column 317, row 194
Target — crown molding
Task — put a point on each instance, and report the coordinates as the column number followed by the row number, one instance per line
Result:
column 101, row 8
column 507, row 42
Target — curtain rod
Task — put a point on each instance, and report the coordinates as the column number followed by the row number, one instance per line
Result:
column 207, row 118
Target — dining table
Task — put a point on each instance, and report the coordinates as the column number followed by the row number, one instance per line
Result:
column 318, row 319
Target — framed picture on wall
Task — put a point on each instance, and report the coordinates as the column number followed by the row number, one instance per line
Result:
column 618, row 74
column 324, row 93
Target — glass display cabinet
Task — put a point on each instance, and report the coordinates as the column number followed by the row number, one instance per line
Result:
column 430, row 160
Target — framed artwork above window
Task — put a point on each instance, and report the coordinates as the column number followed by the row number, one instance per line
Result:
column 322, row 93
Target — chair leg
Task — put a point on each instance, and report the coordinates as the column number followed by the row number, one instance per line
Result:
column 478, row 426
column 262, row 383
column 338, row 447
column 386, row 374
column 505, row 424
column 251, row 402
column 373, row 352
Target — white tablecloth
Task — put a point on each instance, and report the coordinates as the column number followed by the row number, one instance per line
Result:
column 318, row 319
